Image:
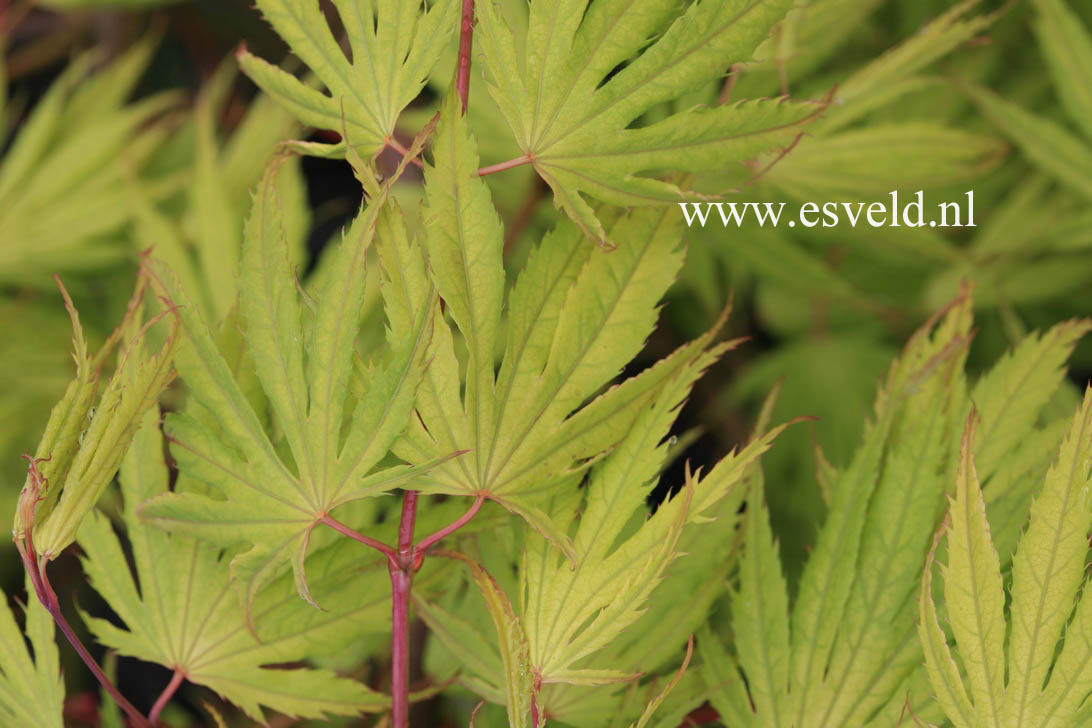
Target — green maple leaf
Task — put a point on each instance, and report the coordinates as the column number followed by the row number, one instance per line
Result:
column 31, row 689
column 574, row 118
column 572, row 620
column 845, row 653
column 575, row 317
column 65, row 178
column 1067, row 47
column 184, row 617
column 394, row 46
column 277, row 491
column 1014, row 669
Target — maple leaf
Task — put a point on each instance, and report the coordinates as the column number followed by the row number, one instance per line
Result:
column 88, row 433
column 31, row 689
column 332, row 443
column 575, row 317
column 1014, row 668
column 574, row 79
column 394, row 46
column 184, row 617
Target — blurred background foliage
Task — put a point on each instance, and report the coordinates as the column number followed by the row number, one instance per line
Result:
column 125, row 124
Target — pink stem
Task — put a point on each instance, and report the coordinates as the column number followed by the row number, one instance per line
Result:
column 397, row 146
column 401, row 571
column 466, row 40
column 166, row 695
column 405, row 525
column 44, row 591
column 500, row 167
column 402, row 563
column 357, row 536
column 425, row 544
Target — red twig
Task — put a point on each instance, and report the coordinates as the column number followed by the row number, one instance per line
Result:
column 466, row 41
column 402, row 563
column 44, row 591
column 401, row 571
column 166, row 695
column 500, row 167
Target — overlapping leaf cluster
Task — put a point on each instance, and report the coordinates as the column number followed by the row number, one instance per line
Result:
column 846, row 651
column 421, row 354
column 1026, row 663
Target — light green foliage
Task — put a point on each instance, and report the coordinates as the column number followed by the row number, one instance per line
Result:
column 1004, row 660
column 1036, row 248
column 575, row 317
column 579, row 126
column 88, row 433
column 64, row 183
column 836, row 656
column 31, row 690
column 832, row 297
column 1058, row 151
column 394, row 45
column 202, row 245
column 185, row 618
column 277, row 492
column 465, row 341
column 845, row 653
column 583, row 626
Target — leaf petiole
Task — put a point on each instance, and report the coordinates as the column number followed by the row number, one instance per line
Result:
column 501, row 166
column 429, row 541
column 168, row 692
column 357, row 536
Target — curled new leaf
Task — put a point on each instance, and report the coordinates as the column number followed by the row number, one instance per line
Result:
column 88, row 433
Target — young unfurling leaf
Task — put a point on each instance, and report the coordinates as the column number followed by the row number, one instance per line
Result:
column 88, row 434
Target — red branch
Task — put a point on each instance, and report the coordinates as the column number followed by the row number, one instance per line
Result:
column 466, row 40
column 401, row 571
column 357, row 536
column 402, row 563
column 44, row 591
